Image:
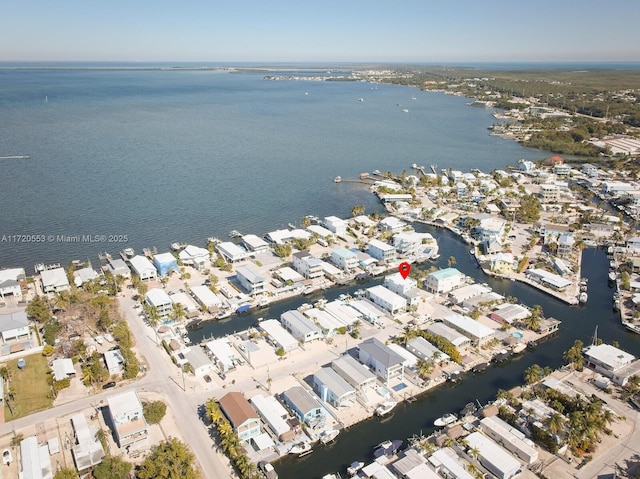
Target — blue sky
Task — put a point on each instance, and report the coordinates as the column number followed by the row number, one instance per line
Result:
column 320, row 31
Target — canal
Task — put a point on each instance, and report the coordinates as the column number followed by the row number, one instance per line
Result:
column 578, row 322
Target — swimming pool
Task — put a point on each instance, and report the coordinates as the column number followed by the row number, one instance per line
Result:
column 517, row 335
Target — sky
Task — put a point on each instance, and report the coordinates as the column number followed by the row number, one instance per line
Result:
column 320, row 31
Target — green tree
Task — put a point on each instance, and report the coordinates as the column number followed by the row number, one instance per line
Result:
column 66, row 473
column 533, row 373
column 574, row 355
column 283, row 250
column 357, row 210
column 424, row 368
column 38, row 309
column 529, row 209
column 170, row 459
column 154, row 411
column 451, row 261
column 112, row 467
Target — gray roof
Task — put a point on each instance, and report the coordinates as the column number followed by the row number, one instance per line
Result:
column 303, row 401
column 251, row 274
column 381, row 353
column 332, row 380
column 356, row 374
column 300, row 322
column 15, row 320
column 197, row 357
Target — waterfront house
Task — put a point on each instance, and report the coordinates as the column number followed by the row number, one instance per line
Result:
column 54, row 280
column 450, row 334
column 510, row 313
column 300, row 327
column 336, row 225
column 278, row 335
column 199, row 362
column 381, row 251
column 114, row 361
column 498, row 461
column 343, row 312
column 255, row 244
column 327, row 323
column 611, row 362
column 501, row 263
column 566, row 243
column 206, row 298
column 410, row 359
column 330, row 271
column 189, row 305
column 320, row 231
column 222, row 353
column 304, row 405
column 127, row 419
column 444, row 280
column 407, row 466
column 448, row 464
column 159, row 299
column 241, row 415
column 251, row 279
column 274, row 415
column 464, row 293
column 10, row 280
column 423, row 349
column 512, row 439
column 547, row 279
column 561, row 170
column 288, row 275
column 384, row 362
column 551, row 232
column 34, row 460
column 412, row 244
column 399, row 285
column 195, row 256
column 483, row 301
column 526, row 166
column 332, row 388
column 143, row 268
column 392, row 224
column 62, row 368
column 307, row 265
column 231, row 252
column 367, row 310
column 474, row 330
column 82, row 275
column 165, row 263
column 14, row 327
column 386, row 299
column 88, row 451
column 357, row 375
column 344, row 258
column 118, row 267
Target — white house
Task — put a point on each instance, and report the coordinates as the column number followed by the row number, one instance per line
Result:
column 512, row 439
column 14, row 327
column 207, row 299
column 498, row 461
column 114, row 361
column 274, row 415
column 474, row 330
column 54, row 280
column 392, row 224
column 130, row 425
column 117, row 267
column 300, row 327
column 251, row 279
column 222, row 353
column 384, row 362
column 280, row 336
column 355, row 373
column 410, row 243
column 199, row 362
column 307, row 265
column 143, row 268
column 423, row 349
column 195, row 256
column 88, row 451
column 344, row 258
column 611, row 362
column 386, row 299
column 444, row 280
column 159, row 299
column 381, row 251
column 231, row 252
column 82, row 275
column 255, row 244
column 34, row 460
column 336, row 225
column 399, row 285
column 10, row 282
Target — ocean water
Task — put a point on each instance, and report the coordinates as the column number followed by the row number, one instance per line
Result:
column 159, row 156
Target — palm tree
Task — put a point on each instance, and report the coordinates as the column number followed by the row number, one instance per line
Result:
column 533, row 374
column 474, row 452
column 179, row 311
column 451, row 261
column 424, row 368
column 556, row 423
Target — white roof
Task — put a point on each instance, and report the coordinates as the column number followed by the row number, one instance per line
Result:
column 192, row 252
column 410, row 359
column 185, row 300
column 164, row 258
column 449, row 460
column 15, row 320
column 272, row 412
column 553, row 279
column 387, row 296
column 425, row 348
column 114, row 359
column 319, row 230
column 222, row 351
column 82, row 275
column 232, row 250
column 366, row 308
column 12, row 273
column 468, row 291
column 422, row 471
column 280, row 335
column 288, row 274
column 123, row 403
column 196, row 357
column 54, row 277
column 206, row 296
column 324, row 319
column 381, row 245
column 62, row 368
column 342, row 312
column 453, row 336
column 611, row 356
column 250, row 273
column 34, row 459
column 158, row 297
column 468, row 325
column 254, row 242
column 141, row 264
column 491, row 453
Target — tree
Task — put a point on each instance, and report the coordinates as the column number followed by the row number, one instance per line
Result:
column 451, row 261
column 424, row 368
column 574, row 355
column 112, row 467
column 357, row 210
column 170, row 459
column 179, row 311
column 154, row 411
column 283, row 250
column 38, row 309
column 556, row 423
column 533, row 373
column 66, row 473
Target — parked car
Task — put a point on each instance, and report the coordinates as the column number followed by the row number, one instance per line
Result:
column 110, row 384
column 7, row 458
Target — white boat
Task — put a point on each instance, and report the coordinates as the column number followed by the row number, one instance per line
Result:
column 445, row 420
column 405, row 110
column 353, row 469
column 332, row 475
column 360, row 99
column 129, row 252
column 268, row 470
column 301, row 449
column 583, row 297
column 329, row 435
column 338, row 179
column 385, row 408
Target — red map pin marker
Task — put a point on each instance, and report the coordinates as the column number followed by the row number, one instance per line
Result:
column 405, row 269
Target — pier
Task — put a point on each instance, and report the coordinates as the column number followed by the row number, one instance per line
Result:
column 15, row 157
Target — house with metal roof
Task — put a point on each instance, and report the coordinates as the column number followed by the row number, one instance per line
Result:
column 611, row 362
column 199, row 362
column 251, row 279
column 304, row 405
column 88, row 451
column 344, row 259
column 223, row 354
column 498, row 461
column 474, row 330
column 327, row 323
column 548, row 279
column 450, row 334
column 510, row 313
column 332, row 388
column 206, row 298
column 195, row 256
column 307, row 265
column 231, row 252
column 114, row 361
column 54, row 280
column 241, row 415
column 444, row 280
column 127, row 418
column 62, row 368
column 352, row 371
column 384, row 362
column 448, row 464
column 118, row 267
column 165, row 263
column 142, row 267
column 336, row 225
column 159, row 299
column 14, row 327
column 381, row 251
column 410, row 359
column 387, row 299
column 367, row 310
column 300, row 327
column 274, row 415
column 511, row 438
column 82, row 275
column 278, row 335
column 343, row 312
column 34, row 460
column 255, row 244
column 10, row 282
column 426, row 351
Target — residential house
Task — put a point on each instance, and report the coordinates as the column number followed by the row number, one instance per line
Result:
column 195, row 256
column 10, row 282
column 88, row 450
column 381, row 251
column 206, row 298
column 494, row 458
column 474, row 330
column 54, row 280
column 344, row 259
column 251, row 279
column 255, row 244
column 384, row 362
column 231, row 252
column 399, row 285
column 356, row 374
column 34, row 460
column 222, row 353
column 511, row 438
column 392, row 224
column 566, row 243
column 118, row 267
column 241, row 415
column 199, row 362
column 304, row 405
column 424, row 350
column 274, row 415
column 549, row 193
column 142, row 267
column 444, row 280
column 450, row 334
column 114, row 361
column 278, row 335
column 336, row 225
column 82, row 275
column 14, row 327
column 165, row 263
column 127, row 418
column 501, row 263
column 307, row 265
column 62, row 369
column 300, row 327
column 612, row 362
column 386, row 299
column 157, row 298
column 332, row 388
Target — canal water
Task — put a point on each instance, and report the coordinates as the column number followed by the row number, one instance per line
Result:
column 578, row 322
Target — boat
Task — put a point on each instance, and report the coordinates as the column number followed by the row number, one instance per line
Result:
column 178, row 246
column 264, row 302
column 405, row 110
column 360, row 99
column 329, row 435
column 338, row 179
column 234, row 234
column 479, row 368
column 224, row 314
column 385, row 408
column 455, row 376
column 129, row 252
column 583, row 297
column 445, row 420
column 268, row 470
column 583, row 284
column 387, row 448
column 331, row 475
column 469, row 409
column 355, row 466
column 301, row 449
column 243, row 308
column 612, row 278
column 616, row 305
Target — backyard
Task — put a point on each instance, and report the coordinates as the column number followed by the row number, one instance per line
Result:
column 27, row 390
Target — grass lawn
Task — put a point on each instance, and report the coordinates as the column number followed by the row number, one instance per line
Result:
column 30, row 387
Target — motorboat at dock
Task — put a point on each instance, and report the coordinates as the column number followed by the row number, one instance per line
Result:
column 445, row 420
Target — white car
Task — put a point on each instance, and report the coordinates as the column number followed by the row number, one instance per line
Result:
column 7, row 458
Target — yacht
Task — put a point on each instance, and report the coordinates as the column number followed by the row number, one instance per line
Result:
column 387, row 448
column 338, row 179
column 329, row 435
column 445, row 420
column 355, row 466
column 385, row 408
column 268, row 470
column 301, row 449
column 583, row 297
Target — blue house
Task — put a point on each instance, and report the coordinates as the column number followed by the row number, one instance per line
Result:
column 331, row 388
column 165, row 263
column 303, row 405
